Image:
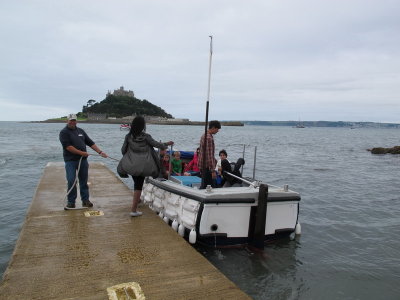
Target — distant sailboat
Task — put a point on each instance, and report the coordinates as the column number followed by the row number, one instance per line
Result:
column 299, row 125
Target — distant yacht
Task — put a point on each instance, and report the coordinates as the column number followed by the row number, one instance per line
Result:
column 299, row 125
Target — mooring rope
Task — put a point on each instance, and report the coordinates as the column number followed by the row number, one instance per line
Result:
column 76, row 176
column 76, row 179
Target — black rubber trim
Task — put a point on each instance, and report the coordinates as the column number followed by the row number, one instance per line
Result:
column 284, row 231
column 278, row 199
column 197, row 198
column 159, row 184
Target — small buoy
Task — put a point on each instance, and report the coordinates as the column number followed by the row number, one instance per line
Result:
column 166, row 219
column 175, row 225
column 161, row 215
column 181, row 230
column 298, row 229
column 192, row 236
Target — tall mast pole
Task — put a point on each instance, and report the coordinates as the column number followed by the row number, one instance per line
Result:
column 209, row 71
column 207, row 107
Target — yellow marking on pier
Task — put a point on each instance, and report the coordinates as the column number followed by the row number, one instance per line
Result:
column 64, row 255
column 130, row 290
column 94, row 213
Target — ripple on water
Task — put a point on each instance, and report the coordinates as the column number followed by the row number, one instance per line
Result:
column 350, row 201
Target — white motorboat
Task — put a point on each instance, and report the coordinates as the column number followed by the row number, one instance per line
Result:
column 249, row 213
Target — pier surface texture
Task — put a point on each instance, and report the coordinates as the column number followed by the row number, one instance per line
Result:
column 67, row 255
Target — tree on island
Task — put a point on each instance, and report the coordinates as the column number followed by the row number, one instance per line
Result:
column 122, row 106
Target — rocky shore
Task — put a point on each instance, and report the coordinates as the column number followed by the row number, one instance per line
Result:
column 380, row 150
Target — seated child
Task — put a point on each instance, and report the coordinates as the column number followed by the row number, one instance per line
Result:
column 222, row 155
column 164, row 164
column 176, row 163
column 192, row 168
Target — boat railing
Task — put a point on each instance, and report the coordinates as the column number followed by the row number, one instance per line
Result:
column 254, row 184
column 244, row 154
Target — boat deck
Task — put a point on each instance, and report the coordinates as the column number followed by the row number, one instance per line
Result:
column 69, row 255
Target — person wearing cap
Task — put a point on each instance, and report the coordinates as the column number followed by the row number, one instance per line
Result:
column 74, row 141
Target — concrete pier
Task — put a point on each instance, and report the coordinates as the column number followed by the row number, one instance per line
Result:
column 69, row 255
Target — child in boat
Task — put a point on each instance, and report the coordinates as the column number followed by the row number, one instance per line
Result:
column 164, row 163
column 192, row 168
column 222, row 155
column 218, row 169
column 176, row 163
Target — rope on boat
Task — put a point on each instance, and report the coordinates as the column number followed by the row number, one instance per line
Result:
column 107, row 157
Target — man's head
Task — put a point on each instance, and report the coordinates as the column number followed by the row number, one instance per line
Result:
column 214, row 126
column 71, row 120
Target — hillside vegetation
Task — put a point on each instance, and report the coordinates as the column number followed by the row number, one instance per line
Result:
column 122, row 106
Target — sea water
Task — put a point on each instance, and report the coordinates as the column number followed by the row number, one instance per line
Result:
column 349, row 211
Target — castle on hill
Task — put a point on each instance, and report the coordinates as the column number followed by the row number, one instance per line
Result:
column 121, row 92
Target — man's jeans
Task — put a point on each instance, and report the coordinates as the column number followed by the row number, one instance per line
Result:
column 70, row 168
column 207, row 180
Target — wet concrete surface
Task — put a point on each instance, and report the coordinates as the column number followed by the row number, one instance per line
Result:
column 67, row 255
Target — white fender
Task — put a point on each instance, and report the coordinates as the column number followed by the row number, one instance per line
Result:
column 175, row 225
column 166, row 219
column 192, row 236
column 161, row 215
column 298, row 229
column 181, row 230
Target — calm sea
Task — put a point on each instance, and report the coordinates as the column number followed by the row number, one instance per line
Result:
column 349, row 212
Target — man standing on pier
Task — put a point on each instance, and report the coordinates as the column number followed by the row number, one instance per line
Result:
column 206, row 159
column 74, row 141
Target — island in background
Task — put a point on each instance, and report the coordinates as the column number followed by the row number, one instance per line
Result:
column 121, row 106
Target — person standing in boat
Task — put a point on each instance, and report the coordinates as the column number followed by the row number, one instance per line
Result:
column 74, row 141
column 206, row 159
column 139, row 159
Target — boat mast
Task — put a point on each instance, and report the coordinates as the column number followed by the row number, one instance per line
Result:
column 207, row 106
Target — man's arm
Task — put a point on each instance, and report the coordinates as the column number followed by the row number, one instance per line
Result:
column 73, row 150
column 95, row 148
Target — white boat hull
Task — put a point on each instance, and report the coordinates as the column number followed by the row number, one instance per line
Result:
column 223, row 216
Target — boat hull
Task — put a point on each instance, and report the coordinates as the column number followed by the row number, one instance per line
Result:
column 223, row 216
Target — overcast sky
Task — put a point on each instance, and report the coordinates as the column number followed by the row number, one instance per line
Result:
column 272, row 60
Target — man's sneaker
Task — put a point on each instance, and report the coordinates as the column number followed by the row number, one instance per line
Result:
column 135, row 213
column 69, row 205
column 87, row 204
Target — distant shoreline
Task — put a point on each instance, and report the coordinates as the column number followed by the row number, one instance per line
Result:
column 306, row 124
column 120, row 121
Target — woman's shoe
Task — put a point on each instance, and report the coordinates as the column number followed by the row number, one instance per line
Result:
column 135, row 213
